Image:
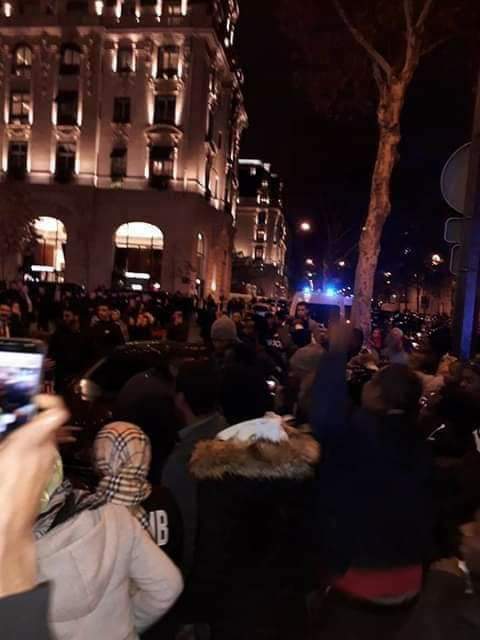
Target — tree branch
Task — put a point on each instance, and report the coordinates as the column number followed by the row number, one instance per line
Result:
column 362, row 41
column 435, row 45
column 407, row 9
column 427, row 8
column 377, row 76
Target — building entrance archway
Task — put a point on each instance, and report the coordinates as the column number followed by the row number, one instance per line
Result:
column 138, row 255
column 46, row 261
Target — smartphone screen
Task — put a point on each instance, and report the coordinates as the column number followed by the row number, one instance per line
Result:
column 21, row 363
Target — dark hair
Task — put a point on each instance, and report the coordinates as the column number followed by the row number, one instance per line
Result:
column 441, row 341
column 157, row 416
column 400, row 388
column 199, row 383
column 244, row 394
column 356, row 343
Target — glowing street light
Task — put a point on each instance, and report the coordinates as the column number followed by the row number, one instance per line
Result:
column 305, row 226
column 436, row 260
column 341, row 263
column 309, row 262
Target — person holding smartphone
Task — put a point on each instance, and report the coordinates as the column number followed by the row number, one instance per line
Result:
column 27, row 457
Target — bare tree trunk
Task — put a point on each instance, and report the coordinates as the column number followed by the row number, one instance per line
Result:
column 390, row 108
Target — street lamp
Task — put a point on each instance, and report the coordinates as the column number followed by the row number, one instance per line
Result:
column 341, row 263
column 436, row 260
column 309, row 262
column 305, row 226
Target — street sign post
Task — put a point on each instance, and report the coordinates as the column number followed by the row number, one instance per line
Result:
column 466, row 301
column 453, row 182
column 455, row 230
column 455, row 260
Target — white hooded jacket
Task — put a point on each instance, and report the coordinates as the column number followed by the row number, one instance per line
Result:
column 108, row 579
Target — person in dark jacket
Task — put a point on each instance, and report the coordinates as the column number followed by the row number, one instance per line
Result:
column 105, row 334
column 148, row 400
column 452, row 425
column 244, row 394
column 198, row 402
column 248, row 580
column 11, row 325
column 374, row 496
column 449, row 606
column 177, row 330
column 68, row 349
column 24, row 615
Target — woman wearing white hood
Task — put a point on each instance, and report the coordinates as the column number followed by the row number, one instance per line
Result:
column 108, row 578
column 249, row 577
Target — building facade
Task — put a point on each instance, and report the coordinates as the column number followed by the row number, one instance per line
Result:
column 122, row 121
column 261, row 233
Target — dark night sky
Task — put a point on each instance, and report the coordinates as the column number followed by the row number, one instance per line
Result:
column 327, row 165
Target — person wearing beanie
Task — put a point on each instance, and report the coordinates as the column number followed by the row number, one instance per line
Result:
column 223, row 334
column 224, row 339
column 249, row 576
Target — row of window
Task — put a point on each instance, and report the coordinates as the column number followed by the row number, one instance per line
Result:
column 164, row 112
column 70, row 58
column 67, row 108
column 21, row 107
column 162, row 161
column 128, row 7
column 162, row 164
column 261, row 236
column 259, row 254
column 168, row 60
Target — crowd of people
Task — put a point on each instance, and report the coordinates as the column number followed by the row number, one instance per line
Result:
column 293, row 481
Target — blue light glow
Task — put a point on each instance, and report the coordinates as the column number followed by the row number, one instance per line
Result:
column 330, row 292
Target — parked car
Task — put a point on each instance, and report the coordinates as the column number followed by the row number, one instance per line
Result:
column 91, row 397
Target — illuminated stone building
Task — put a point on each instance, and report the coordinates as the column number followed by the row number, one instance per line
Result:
column 122, row 119
column 261, row 233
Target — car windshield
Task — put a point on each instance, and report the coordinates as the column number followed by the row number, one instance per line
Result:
column 114, row 372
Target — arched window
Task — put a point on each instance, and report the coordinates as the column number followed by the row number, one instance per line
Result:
column 138, row 254
column 48, row 260
column 200, row 256
column 200, row 245
column 70, row 59
column 22, row 59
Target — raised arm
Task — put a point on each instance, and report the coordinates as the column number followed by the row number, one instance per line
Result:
column 329, row 399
